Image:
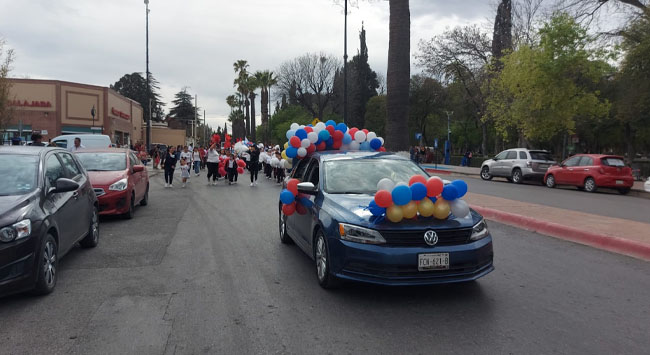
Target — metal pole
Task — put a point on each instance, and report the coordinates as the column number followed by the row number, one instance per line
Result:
column 196, row 117
column 345, row 66
column 205, row 130
column 146, row 2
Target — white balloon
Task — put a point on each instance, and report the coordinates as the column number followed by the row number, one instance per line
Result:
column 313, row 137
column 385, row 184
column 290, row 133
column 305, row 143
column 274, row 162
column 360, row 136
column 401, row 183
column 302, row 152
column 320, row 126
column 287, row 164
column 459, row 208
column 381, row 139
column 371, row 136
column 294, row 126
column 354, row 145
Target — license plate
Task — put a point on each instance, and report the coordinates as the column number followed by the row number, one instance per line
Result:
column 619, row 182
column 433, row 261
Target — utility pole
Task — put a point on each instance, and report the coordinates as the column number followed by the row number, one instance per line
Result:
column 146, row 2
column 205, row 130
column 345, row 66
column 196, row 117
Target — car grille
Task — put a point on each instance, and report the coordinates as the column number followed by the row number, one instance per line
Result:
column 411, row 271
column 99, row 192
column 416, row 238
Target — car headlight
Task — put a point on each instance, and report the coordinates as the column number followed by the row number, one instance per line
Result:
column 119, row 185
column 360, row 235
column 16, row 231
column 479, row 231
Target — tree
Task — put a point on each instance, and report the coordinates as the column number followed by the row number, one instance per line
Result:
column 398, row 75
column 134, row 86
column 375, row 120
column 426, row 108
column 252, row 85
column 281, row 121
column 241, row 83
column 266, row 80
column 6, row 59
column 502, row 35
column 183, row 111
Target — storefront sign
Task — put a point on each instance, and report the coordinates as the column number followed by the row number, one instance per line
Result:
column 118, row 113
column 25, row 103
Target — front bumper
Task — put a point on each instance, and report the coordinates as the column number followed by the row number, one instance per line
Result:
column 18, row 263
column 113, row 202
column 397, row 266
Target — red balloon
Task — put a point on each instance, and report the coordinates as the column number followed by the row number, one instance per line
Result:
column 292, row 185
column 241, row 163
column 222, row 172
column 330, row 129
column 294, row 142
column 321, row 146
column 337, row 144
column 434, row 186
column 383, row 198
column 240, row 170
column 382, row 149
column 311, row 149
column 337, row 135
column 352, row 131
column 365, row 131
column 289, row 209
column 302, row 210
column 417, row 178
column 309, row 129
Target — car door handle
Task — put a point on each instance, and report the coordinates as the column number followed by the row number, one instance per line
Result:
column 586, row 169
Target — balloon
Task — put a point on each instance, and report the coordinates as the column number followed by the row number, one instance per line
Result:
column 383, row 198
column 222, row 172
column 433, row 199
column 385, row 184
column 337, row 144
column 291, row 152
column 309, row 129
column 312, row 136
column 321, row 146
column 301, row 133
column 461, row 187
column 305, row 143
column 301, row 209
column 295, row 142
column 320, row 126
column 459, row 208
column 289, row 209
column 441, row 209
column 295, row 126
column 382, row 149
column 365, row 146
column 375, row 144
column 347, row 138
column 418, row 191
column 354, row 145
column 410, row 210
column 338, row 135
column 370, row 136
column 330, row 129
column 287, row 164
column 330, row 141
column 352, row 131
column 330, row 123
column 292, row 185
column 376, row 210
column 341, row 127
column 311, row 149
column 241, row 163
column 401, row 195
column 302, row 152
column 323, row 135
column 449, row 192
column 287, row 197
column 305, row 201
column 359, row 136
column 417, row 178
column 381, row 139
column 365, row 131
column 401, row 183
column 290, row 133
column 394, row 214
column 286, row 145
column 434, row 186
column 425, row 207
column 240, row 170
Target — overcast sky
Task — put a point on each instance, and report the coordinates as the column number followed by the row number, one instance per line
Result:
column 193, row 43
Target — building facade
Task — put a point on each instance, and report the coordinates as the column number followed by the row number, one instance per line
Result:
column 54, row 108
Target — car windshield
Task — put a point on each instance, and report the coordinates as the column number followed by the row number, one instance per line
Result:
column 102, row 161
column 19, row 174
column 613, row 162
column 362, row 175
column 540, row 156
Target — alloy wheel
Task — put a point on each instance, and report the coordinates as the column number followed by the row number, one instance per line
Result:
column 282, row 225
column 321, row 258
column 49, row 263
column 95, row 226
column 590, row 185
column 550, row 181
column 516, row 176
column 485, row 173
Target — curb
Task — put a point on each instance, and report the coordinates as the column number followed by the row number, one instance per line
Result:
column 600, row 241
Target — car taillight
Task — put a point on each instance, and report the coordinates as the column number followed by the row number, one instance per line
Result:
column 529, row 164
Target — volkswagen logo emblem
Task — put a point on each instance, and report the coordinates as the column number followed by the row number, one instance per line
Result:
column 431, row 238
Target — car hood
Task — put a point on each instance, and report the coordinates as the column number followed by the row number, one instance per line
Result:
column 353, row 209
column 488, row 161
column 104, row 178
column 12, row 208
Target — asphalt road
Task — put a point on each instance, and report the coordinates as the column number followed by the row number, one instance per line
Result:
column 201, row 270
column 603, row 202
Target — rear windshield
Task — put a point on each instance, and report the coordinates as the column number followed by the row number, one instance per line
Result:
column 102, row 161
column 613, row 162
column 19, row 174
column 540, row 156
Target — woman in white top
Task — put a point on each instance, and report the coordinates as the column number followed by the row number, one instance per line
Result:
column 213, row 164
column 196, row 160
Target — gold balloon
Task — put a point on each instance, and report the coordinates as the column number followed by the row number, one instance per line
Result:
column 410, row 210
column 394, row 213
column 286, row 145
column 441, row 209
column 426, row 207
column 284, row 155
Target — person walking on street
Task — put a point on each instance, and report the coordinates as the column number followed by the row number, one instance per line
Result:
column 231, row 167
column 254, row 164
column 170, row 165
column 212, row 162
column 185, row 171
column 187, row 155
column 279, row 170
column 196, row 160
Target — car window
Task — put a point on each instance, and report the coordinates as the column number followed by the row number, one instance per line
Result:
column 53, row 170
column 573, row 161
column 133, row 160
column 502, row 155
column 511, row 155
column 61, row 144
column 586, row 161
column 362, row 175
column 523, row 155
column 540, row 155
column 613, row 162
column 102, row 161
column 19, row 174
column 312, row 173
column 69, row 165
column 299, row 172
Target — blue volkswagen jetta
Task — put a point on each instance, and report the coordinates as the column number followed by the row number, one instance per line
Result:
column 334, row 227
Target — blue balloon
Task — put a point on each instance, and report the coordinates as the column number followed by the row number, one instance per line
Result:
column 287, row 197
column 347, row 138
column 376, row 210
column 310, row 125
column 324, row 135
column 401, row 195
column 418, row 191
column 449, row 192
column 292, row 152
column 329, row 142
column 342, row 127
column 319, row 141
column 290, row 133
column 433, row 199
column 365, row 146
column 301, row 133
column 330, row 123
column 305, row 202
column 461, row 187
column 375, row 143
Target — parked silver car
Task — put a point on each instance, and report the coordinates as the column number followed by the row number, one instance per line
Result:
column 517, row 165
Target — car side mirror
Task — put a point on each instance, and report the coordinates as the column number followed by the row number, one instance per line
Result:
column 307, row 188
column 138, row 168
column 495, row 158
column 64, row 185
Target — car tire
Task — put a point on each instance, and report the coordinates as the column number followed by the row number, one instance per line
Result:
column 624, row 190
column 282, row 225
column 590, row 185
column 131, row 212
column 550, row 181
column 485, row 173
column 322, row 262
column 145, row 199
column 48, row 261
column 92, row 238
column 517, row 177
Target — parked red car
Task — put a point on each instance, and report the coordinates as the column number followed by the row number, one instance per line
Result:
column 591, row 171
column 118, row 178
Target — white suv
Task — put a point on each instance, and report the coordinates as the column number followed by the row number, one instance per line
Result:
column 517, row 165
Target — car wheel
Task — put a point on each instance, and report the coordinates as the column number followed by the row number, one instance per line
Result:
column 47, row 273
column 624, row 190
column 131, row 212
column 321, row 256
column 145, row 199
column 92, row 238
column 550, row 181
column 517, row 177
column 485, row 173
column 282, row 223
column 590, row 185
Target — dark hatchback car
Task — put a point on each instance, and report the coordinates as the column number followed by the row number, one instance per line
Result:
column 333, row 226
column 47, row 205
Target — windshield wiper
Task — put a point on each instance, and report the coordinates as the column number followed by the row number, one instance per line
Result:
column 349, row 192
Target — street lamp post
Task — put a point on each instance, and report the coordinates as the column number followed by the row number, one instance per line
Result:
column 448, row 143
column 148, row 134
column 345, row 64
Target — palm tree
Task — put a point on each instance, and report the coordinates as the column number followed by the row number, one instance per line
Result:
column 241, row 67
column 398, row 76
column 265, row 80
column 252, row 85
column 232, row 101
